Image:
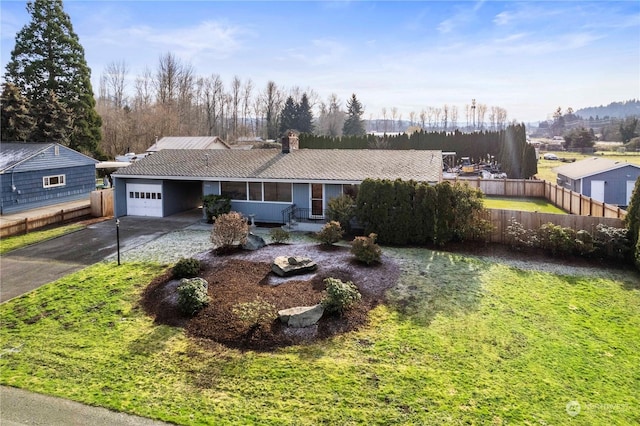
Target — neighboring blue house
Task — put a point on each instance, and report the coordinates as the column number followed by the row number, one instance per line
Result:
column 600, row 178
column 40, row 174
column 265, row 183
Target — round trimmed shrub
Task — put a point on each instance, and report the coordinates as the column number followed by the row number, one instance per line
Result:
column 340, row 295
column 192, row 295
column 330, row 233
column 186, row 268
column 366, row 250
column 230, row 230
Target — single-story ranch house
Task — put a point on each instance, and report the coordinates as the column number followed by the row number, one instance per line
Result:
column 261, row 183
column 40, row 174
column 600, row 178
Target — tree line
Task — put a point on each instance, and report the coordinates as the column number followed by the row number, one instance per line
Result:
column 47, row 96
column 508, row 148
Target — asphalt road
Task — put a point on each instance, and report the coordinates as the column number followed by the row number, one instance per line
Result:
column 31, row 267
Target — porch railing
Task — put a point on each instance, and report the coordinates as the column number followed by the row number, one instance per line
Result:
column 293, row 214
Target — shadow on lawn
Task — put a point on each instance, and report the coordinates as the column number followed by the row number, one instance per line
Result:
column 153, row 342
column 435, row 283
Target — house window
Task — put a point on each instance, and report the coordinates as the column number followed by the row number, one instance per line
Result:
column 53, row 181
column 277, row 191
column 234, row 190
column 255, row 191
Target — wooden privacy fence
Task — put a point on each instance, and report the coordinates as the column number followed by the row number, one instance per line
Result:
column 569, row 201
column 30, row 223
column 100, row 205
column 533, row 220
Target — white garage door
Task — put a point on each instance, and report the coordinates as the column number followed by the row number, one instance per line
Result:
column 144, row 199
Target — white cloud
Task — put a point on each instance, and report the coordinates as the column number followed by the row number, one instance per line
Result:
column 321, row 52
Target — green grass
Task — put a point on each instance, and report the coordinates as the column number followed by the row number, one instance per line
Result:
column 460, row 342
column 523, row 204
column 12, row 243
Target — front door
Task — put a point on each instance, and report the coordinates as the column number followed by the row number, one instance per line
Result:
column 317, row 200
column 597, row 190
column 630, row 186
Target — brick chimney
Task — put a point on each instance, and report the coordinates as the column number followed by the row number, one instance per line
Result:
column 289, row 143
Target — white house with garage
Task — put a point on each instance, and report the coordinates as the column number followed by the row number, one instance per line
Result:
column 266, row 184
column 602, row 179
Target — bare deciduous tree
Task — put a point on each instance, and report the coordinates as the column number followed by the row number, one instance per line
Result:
column 236, row 85
column 482, row 111
column 246, row 98
column 114, row 78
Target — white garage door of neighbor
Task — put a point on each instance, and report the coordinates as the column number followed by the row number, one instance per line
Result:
column 144, row 199
column 597, row 190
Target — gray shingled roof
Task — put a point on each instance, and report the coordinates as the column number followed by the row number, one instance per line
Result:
column 12, row 153
column 589, row 167
column 304, row 164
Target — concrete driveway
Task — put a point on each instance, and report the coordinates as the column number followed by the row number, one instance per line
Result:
column 30, row 267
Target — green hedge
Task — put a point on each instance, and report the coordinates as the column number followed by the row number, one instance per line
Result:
column 402, row 212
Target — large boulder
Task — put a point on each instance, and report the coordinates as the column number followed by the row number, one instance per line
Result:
column 254, row 242
column 301, row 316
column 285, row 266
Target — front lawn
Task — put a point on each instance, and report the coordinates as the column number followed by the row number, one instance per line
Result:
column 8, row 244
column 461, row 341
column 540, row 205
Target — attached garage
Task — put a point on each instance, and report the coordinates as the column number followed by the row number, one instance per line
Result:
column 155, row 197
column 144, row 199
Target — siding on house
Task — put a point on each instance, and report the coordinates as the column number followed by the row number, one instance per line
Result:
column 579, row 177
column 23, row 167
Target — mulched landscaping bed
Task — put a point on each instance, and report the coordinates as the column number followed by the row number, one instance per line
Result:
column 244, row 276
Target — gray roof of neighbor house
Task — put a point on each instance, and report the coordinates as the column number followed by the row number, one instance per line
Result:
column 304, row 165
column 14, row 153
column 589, row 167
column 188, row 142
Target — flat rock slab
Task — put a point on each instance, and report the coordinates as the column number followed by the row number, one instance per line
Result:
column 301, row 316
column 285, row 266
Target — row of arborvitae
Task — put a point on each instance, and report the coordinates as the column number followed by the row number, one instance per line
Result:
column 408, row 212
column 364, row 248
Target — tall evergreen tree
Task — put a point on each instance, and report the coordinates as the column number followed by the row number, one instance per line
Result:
column 354, row 126
column 304, row 116
column 288, row 116
column 55, row 122
column 632, row 221
column 48, row 56
column 17, row 124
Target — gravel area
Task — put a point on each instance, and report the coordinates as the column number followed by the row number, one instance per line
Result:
column 195, row 239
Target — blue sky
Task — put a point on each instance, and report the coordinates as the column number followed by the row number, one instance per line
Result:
column 527, row 57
